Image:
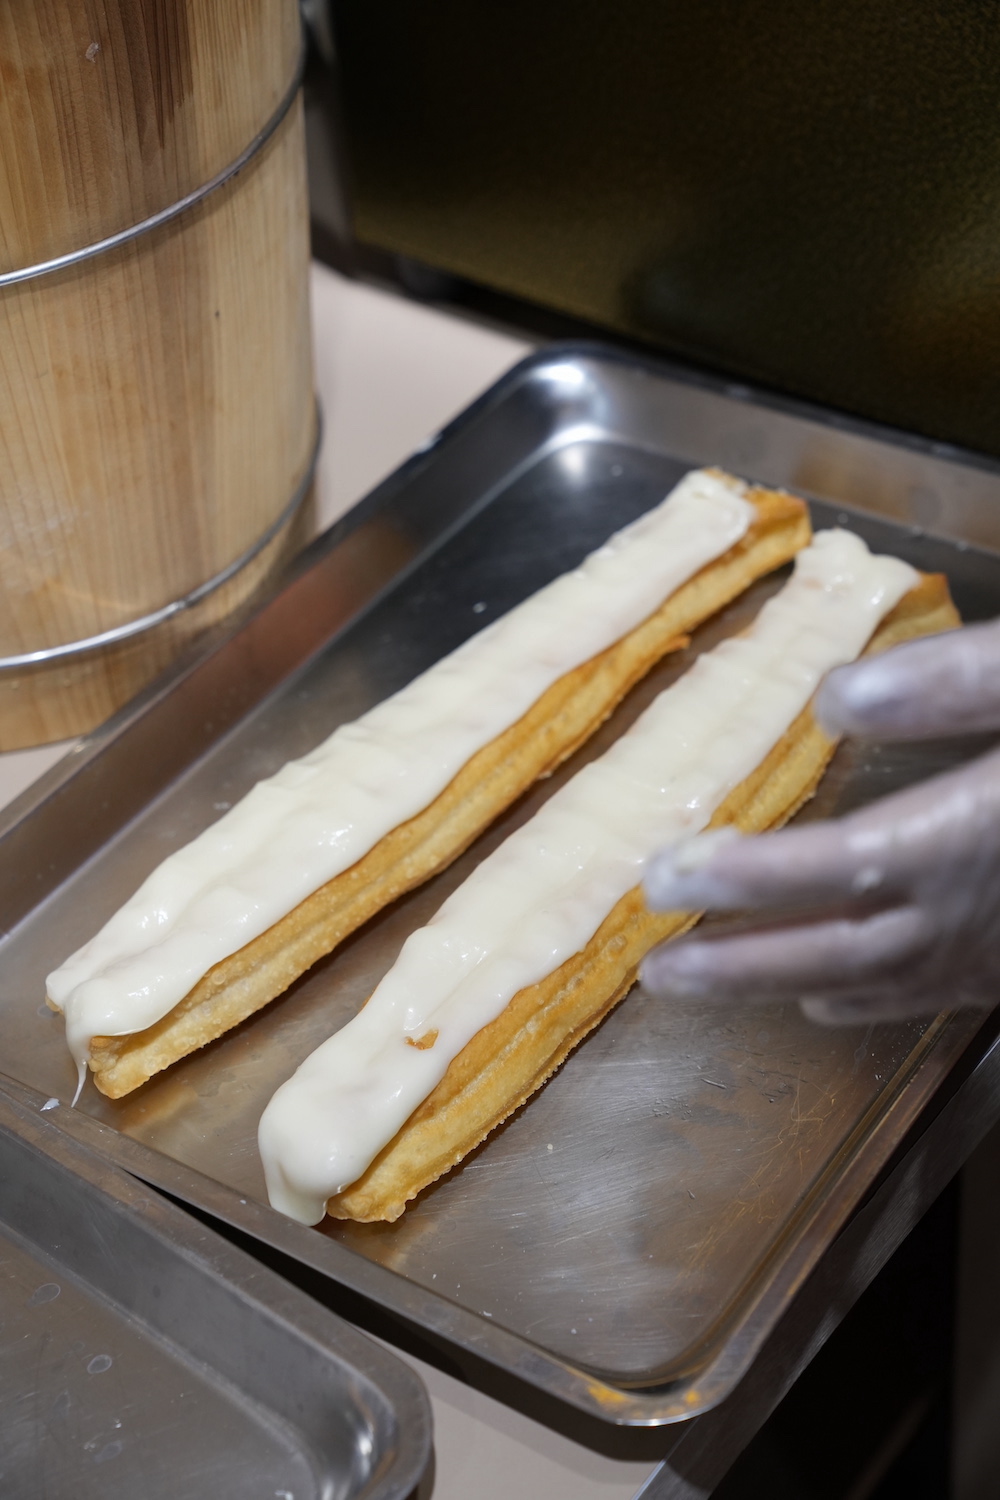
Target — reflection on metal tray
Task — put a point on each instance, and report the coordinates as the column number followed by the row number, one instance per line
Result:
column 628, row 1239
column 142, row 1355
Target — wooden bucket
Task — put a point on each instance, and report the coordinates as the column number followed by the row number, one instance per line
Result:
column 157, row 421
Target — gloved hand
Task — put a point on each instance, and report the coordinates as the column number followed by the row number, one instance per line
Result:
column 892, row 911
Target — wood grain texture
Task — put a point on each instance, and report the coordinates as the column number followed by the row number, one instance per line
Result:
column 156, row 410
column 111, row 110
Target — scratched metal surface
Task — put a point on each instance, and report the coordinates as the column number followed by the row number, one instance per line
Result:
column 639, row 1223
column 141, row 1355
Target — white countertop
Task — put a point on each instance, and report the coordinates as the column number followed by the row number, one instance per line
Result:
column 390, row 373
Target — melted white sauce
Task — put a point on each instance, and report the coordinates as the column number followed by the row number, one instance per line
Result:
column 541, row 896
column 317, row 816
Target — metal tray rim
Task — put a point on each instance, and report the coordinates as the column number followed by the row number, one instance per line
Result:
column 510, row 1351
column 776, row 1282
column 258, row 1289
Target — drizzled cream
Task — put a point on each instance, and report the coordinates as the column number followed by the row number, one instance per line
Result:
column 317, row 816
column 544, row 892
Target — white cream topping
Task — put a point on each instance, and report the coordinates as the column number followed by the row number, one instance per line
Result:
column 317, row 816
column 544, row 892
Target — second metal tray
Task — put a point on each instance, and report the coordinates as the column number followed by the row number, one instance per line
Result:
column 142, row 1355
column 628, row 1239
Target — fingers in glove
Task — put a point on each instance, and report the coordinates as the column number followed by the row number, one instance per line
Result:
column 824, row 956
column 817, row 864
column 878, row 854
column 945, row 685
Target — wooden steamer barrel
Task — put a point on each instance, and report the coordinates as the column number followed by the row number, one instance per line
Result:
column 157, row 421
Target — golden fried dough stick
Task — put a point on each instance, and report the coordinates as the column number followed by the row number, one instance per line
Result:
column 564, row 717
column 511, row 1057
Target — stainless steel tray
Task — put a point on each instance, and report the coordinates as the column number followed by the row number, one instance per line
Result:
column 143, row 1355
column 630, row 1237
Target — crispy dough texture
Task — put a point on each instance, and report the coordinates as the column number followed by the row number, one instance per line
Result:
column 560, row 721
column 509, row 1059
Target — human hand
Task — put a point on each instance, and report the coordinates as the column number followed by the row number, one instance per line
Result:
column 892, row 911
column 942, row 685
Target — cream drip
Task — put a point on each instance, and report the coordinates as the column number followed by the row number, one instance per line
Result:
column 544, row 892
column 317, row 816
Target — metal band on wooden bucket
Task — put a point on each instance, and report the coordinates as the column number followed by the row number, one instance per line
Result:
column 157, row 413
column 167, row 611
column 165, row 215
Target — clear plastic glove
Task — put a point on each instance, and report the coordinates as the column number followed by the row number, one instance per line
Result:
column 890, row 912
